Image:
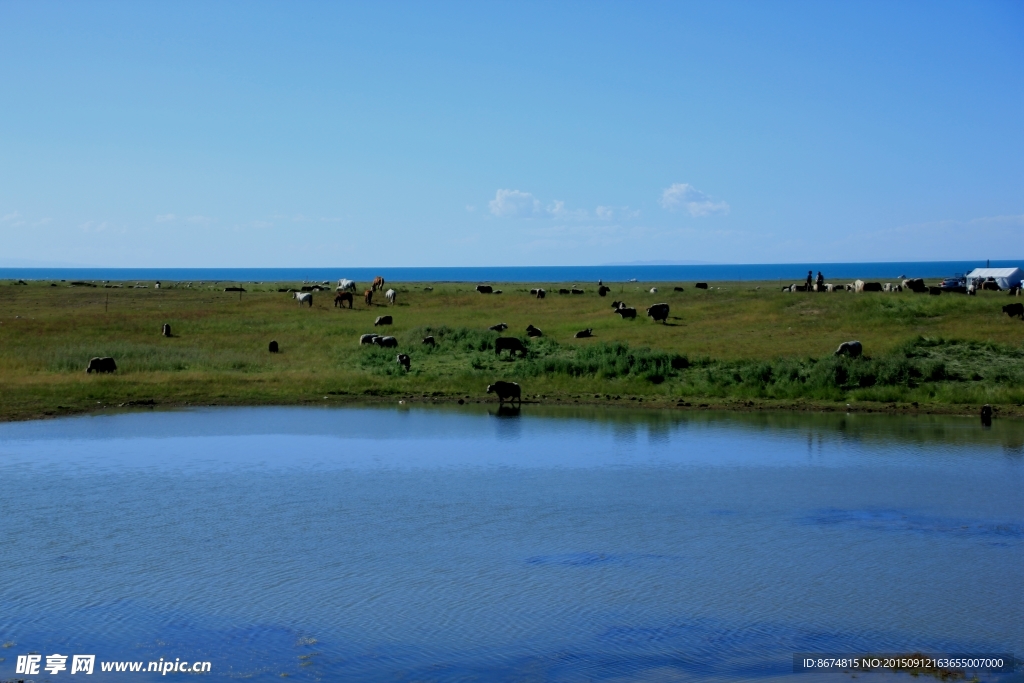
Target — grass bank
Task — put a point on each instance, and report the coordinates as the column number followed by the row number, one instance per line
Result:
column 737, row 345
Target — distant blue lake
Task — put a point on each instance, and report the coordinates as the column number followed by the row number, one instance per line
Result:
column 451, row 544
column 791, row 272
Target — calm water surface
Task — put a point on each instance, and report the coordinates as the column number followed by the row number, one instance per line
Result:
column 452, row 545
column 610, row 273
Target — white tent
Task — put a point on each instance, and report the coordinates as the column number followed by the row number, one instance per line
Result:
column 1004, row 277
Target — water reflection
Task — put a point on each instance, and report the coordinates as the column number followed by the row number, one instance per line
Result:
column 571, row 543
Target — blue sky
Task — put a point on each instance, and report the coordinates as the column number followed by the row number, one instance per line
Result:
column 489, row 133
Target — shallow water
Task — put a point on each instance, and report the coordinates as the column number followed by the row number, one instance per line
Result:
column 449, row 545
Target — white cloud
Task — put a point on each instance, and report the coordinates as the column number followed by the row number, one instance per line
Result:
column 556, row 209
column 684, row 195
column 10, row 217
column 508, row 203
column 516, row 203
column 199, row 219
column 165, row 218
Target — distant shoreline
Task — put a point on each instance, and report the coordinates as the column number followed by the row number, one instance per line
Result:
column 792, row 272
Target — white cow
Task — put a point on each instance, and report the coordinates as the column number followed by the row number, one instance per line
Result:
column 390, row 296
column 303, row 298
column 344, row 284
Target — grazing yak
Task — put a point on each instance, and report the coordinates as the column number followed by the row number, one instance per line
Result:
column 701, row 285
column 563, row 290
column 853, row 349
column 532, row 331
column 677, row 289
column 378, row 283
column 273, row 347
column 484, row 289
column 101, row 365
column 303, row 298
column 576, row 291
column 654, row 290
column 510, row 344
column 541, row 294
column 584, row 334
column 626, row 312
column 368, row 297
column 390, row 295
column 429, row 341
column 861, row 286
column 403, row 360
column 165, row 330
column 915, row 285
column 341, row 297
column 386, row 342
column 346, row 285
column 1014, row 310
column 658, row 312
column 367, row 338
column 506, row 391
column 382, row 320
column 603, row 290
column 500, row 327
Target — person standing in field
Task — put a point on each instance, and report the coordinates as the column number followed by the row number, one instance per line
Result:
column 820, row 282
column 810, row 280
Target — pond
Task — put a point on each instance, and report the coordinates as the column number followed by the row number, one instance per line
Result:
column 452, row 544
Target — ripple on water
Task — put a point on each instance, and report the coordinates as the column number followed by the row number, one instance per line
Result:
column 903, row 521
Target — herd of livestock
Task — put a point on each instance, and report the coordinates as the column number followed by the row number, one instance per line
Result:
column 510, row 391
column 346, row 288
column 916, row 285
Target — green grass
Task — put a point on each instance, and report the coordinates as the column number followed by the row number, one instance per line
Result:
column 733, row 344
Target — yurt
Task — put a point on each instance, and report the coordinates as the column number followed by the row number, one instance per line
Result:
column 1004, row 277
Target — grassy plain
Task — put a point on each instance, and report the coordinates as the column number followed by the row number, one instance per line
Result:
column 737, row 345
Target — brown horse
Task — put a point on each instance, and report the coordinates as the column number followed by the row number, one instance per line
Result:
column 378, row 283
column 368, row 296
column 341, row 297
